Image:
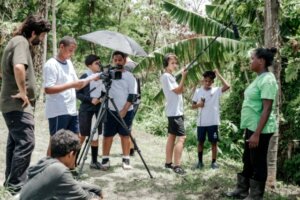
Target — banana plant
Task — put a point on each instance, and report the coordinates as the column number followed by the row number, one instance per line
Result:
column 220, row 52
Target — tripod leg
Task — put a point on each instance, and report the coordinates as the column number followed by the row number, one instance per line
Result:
column 99, row 120
column 83, row 150
column 123, row 124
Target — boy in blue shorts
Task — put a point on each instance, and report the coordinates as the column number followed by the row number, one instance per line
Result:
column 60, row 85
column 207, row 100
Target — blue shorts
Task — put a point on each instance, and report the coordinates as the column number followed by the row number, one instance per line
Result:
column 112, row 126
column 212, row 133
column 67, row 122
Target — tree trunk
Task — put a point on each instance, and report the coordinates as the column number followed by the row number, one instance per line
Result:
column 38, row 51
column 46, row 37
column 54, row 45
column 272, row 39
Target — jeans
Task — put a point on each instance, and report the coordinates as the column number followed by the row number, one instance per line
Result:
column 20, row 144
column 255, row 159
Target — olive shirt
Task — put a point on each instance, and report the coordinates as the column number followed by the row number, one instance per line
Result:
column 263, row 87
column 16, row 52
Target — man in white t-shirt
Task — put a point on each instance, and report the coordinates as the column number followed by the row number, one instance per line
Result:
column 60, row 83
column 123, row 91
column 174, row 111
column 207, row 100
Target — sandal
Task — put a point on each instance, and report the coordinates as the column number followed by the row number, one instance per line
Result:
column 169, row 166
column 179, row 170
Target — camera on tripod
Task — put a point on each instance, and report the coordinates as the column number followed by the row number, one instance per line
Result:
column 111, row 73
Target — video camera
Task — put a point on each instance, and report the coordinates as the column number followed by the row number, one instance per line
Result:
column 111, row 73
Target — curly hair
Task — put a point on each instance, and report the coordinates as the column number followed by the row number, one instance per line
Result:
column 63, row 142
column 34, row 23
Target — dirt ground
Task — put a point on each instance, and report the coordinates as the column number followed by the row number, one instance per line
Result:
column 136, row 184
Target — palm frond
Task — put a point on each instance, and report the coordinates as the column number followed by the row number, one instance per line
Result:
column 197, row 23
column 188, row 49
column 217, row 55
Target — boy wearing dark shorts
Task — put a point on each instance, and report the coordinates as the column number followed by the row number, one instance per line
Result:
column 60, row 85
column 174, row 111
column 207, row 100
column 90, row 106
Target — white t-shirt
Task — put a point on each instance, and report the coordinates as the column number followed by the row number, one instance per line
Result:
column 174, row 102
column 209, row 115
column 56, row 73
column 120, row 89
column 95, row 86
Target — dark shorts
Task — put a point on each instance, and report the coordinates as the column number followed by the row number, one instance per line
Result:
column 176, row 125
column 67, row 122
column 212, row 133
column 85, row 123
column 112, row 126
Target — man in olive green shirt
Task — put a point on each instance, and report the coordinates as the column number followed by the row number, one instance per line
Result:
column 17, row 99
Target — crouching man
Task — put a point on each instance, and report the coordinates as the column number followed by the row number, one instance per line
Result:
column 51, row 178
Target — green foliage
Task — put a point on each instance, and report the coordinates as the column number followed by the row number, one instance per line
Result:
column 197, row 23
column 291, row 166
column 231, row 142
column 150, row 116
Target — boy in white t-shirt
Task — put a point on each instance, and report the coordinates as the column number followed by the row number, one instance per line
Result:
column 174, row 111
column 207, row 100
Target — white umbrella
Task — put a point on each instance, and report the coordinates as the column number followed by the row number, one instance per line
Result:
column 115, row 41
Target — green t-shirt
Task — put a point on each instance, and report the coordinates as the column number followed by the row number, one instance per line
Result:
column 16, row 52
column 263, row 87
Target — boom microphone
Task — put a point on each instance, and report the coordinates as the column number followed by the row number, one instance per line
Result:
column 234, row 28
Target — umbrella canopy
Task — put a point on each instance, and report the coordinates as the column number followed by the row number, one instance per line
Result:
column 115, row 41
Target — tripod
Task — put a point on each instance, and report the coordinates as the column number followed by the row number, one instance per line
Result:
column 102, row 117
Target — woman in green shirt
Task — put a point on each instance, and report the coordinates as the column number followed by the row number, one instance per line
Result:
column 258, row 120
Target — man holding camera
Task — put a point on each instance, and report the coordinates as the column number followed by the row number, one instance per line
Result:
column 123, row 91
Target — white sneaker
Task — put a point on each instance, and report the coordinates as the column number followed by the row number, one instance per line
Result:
column 126, row 164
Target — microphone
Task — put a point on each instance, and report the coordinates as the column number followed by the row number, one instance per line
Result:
column 234, row 28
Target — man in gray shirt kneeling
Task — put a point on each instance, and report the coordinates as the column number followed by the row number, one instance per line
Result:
column 51, row 178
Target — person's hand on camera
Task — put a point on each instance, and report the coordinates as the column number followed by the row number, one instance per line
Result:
column 95, row 77
column 22, row 96
column 95, row 101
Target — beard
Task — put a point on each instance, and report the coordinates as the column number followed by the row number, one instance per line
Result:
column 36, row 41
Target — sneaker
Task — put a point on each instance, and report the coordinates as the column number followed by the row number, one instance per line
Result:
column 179, row 170
column 126, row 164
column 169, row 165
column 214, row 165
column 199, row 165
column 131, row 153
column 95, row 165
column 105, row 165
